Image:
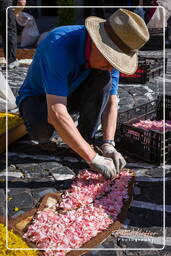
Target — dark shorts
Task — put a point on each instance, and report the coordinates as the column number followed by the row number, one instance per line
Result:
column 89, row 101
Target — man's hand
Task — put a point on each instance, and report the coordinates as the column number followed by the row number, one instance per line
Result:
column 110, row 151
column 103, row 165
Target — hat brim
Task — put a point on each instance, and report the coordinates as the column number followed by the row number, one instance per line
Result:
column 125, row 63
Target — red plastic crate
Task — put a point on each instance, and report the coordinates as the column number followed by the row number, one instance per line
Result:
column 148, row 68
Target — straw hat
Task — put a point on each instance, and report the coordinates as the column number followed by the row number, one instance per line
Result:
column 118, row 38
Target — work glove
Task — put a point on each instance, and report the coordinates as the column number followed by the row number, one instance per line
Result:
column 110, row 151
column 103, row 165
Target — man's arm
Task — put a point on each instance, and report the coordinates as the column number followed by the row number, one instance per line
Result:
column 59, row 117
column 109, row 118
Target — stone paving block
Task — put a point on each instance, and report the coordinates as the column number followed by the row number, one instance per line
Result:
column 168, row 168
column 18, row 190
column 168, row 231
column 151, row 192
column 156, row 172
column 11, row 174
column 62, row 173
column 146, row 218
column 77, row 166
column 35, row 171
column 20, row 200
column 14, row 215
column 39, row 193
column 110, row 242
column 12, row 168
column 50, row 165
column 137, row 190
column 32, row 167
column 140, row 165
column 101, row 252
column 59, row 186
column 34, row 175
column 166, row 251
column 124, row 242
column 62, row 176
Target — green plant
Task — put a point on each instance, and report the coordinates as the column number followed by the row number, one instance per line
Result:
column 65, row 15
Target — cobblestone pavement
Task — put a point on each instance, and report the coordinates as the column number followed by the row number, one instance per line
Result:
column 33, row 173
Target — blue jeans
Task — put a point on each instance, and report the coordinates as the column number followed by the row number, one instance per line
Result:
column 89, row 100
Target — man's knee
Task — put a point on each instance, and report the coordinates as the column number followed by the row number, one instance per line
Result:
column 35, row 119
column 41, row 132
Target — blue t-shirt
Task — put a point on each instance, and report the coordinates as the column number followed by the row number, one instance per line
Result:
column 58, row 66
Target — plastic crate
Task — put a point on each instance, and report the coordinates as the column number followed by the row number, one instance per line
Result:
column 140, row 143
column 156, row 41
column 148, row 68
column 167, row 107
column 141, row 76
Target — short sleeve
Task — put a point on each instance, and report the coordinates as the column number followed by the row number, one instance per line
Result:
column 115, row 82
column 55, row 63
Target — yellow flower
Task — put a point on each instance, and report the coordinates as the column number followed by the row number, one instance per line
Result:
column 14, row 241
column 16, row 209
column 13, row 121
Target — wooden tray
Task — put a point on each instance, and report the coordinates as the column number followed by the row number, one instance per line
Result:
column 13, row 134
column 22, row 222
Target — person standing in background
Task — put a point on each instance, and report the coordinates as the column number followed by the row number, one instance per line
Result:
column 106, row 12
column 12, row 31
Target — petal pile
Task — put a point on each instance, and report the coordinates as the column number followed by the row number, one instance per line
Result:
column 153, row 125
column 86, row 187
column 74, row 227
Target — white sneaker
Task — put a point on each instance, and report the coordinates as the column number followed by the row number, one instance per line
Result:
column 13, row 64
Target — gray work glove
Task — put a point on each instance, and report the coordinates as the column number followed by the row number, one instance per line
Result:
column 103, row 165
column 110, row 151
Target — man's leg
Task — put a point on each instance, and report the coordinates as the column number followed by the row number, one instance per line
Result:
column 12, row 32
column 34, row 112
column 90, row 100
